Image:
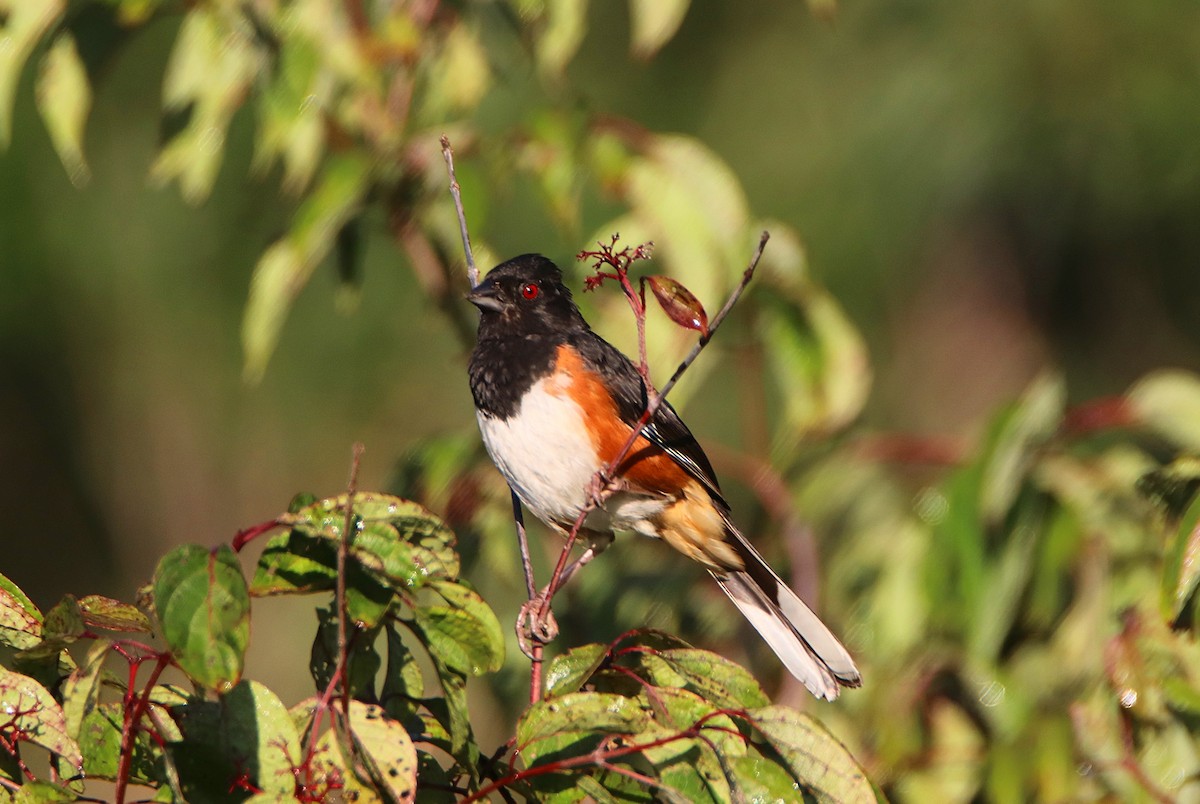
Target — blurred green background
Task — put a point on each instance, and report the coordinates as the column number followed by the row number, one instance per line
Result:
column 990, row 190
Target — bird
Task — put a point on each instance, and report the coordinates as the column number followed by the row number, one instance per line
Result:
column 555, row 403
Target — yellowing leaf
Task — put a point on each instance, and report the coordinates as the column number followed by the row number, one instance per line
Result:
column 1169, row 402
column 565, row 23
column 24, row 23
column 32, row 709
column 210, row 70
column 20, row 620
column 654, row 23
column 389, row 752
column 467, row 74
column 64, row 98
column 291, row 113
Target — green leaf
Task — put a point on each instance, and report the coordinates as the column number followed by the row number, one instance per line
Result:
column 1172, row 487
column 464, row 633
column 387, row 748
column 819, row 763
column 690, row 203
column 113, row 615
column 1006, row 580
column 81, row 690
column 465, row 75
column 403, row 683
column 819, row 362
column 568, row 672
column 1181, row 572
column 65, row 620
column 654, row 23
column 757, row 778
column 286, row 266
column 576, row 722
column 43, row 793
column 1169, row 402
column 452, row 714
column 20, row 620
column 291, row 112
column 723, row 683
column 100, row 743
column 62, row 627
column 363, row 661
column 304, row 560
column 135, row 12
column 259, row 729
column 64, row 98
column 294, row 563
column 435, row 785
column 692, row 768
column 247, row 735
column 1182, row 696
column 210, row 70
column 22, row 25
column 203, row 608
column 563, row 27
column 396, row 544
column 27, row 706
column 1034, row 420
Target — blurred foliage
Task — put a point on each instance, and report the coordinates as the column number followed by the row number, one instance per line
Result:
column 1025, row 617
column 646, row 718
column 1023, row 607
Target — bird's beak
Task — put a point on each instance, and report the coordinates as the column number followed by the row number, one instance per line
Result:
column 484, row 296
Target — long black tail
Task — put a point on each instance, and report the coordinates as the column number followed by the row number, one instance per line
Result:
column 807, row 648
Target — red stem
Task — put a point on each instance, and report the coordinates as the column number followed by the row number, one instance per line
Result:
column 133, row 716
column 604, row 757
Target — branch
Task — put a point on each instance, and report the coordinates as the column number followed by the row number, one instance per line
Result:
column 456, row 193
column 602, row 480
column 534, row 651
column 610, row 750
column 343, row 545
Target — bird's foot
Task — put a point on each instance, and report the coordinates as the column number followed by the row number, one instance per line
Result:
column 600, row 488
column 535, row 624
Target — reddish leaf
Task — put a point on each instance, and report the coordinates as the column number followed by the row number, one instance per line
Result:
column 679, row 304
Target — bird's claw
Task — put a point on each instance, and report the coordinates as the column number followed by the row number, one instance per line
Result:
column 535, row 623
column 600, row 487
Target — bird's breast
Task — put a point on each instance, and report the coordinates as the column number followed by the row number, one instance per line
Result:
column 544, row 450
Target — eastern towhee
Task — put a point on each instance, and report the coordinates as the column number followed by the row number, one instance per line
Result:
column 556, row 402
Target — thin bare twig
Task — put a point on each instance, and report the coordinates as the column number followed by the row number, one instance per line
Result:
column 343, row 641
column 533, row 651
column 456, row 194
column 602, row 480
column 531, row 648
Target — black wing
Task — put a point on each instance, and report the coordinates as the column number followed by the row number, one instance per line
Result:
column 665, row 430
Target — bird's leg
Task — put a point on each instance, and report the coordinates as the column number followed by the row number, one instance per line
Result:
column 598, row 543
column 536, row 622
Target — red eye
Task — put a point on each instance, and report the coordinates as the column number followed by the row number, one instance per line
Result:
column 529, row 291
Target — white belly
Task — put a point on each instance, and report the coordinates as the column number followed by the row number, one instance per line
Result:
column 545, row 454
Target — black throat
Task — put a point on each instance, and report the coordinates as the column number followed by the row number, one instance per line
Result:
column 504, row 367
